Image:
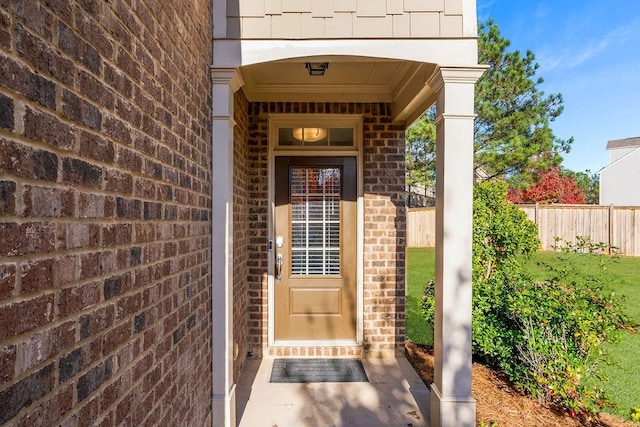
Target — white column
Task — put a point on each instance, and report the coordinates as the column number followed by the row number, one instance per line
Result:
column 451, row 400
column 224, row 402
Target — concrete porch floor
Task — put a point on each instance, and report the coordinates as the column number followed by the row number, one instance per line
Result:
column 394, row 396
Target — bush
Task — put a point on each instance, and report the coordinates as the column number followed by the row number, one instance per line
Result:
column 546, row 336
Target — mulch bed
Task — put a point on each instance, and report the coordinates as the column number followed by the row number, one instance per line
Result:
column 498, row 401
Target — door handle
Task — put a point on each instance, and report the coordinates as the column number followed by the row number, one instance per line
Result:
column 279, row 263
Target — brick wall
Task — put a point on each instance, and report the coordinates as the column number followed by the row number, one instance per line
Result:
column 105, row 207
column 257, row 210
column 384, row 233
column 240, row 230
column 384, row 229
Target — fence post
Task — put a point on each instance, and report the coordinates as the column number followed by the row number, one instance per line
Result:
column 610, row 227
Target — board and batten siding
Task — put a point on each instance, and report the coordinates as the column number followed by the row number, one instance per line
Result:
column 618, row 226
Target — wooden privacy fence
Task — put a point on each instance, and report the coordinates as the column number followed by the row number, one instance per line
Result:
column 613, row 225
column 421, row 227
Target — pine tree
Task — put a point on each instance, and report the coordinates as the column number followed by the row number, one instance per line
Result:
column 513, row 139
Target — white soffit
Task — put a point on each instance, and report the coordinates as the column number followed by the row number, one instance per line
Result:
column 346, row 80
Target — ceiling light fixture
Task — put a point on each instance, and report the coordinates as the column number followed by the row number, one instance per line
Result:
column 309, row 134
column 316, row 68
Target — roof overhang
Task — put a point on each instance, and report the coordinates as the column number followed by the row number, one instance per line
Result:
column 624, row 143
column 391, row 71
column 348, row 79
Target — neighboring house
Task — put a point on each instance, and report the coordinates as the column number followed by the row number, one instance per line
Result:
column 620, row 179
column 184, row 183
column 419, row 196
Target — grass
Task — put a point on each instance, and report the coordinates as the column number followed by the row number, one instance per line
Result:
column 621, row 276
column 420, row 269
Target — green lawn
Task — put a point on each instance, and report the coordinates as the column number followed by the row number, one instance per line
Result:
column 622, row 276
column 420, row 269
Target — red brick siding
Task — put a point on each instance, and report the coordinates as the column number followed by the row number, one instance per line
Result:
column 240, row 230
column 384, row 233
column 384, row 229
column 105, row 212
column 258, row 217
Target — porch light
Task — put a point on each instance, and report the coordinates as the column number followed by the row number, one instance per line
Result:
column 309, row 134
column 316, row 68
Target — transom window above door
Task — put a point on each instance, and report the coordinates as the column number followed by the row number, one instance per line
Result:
column 318, row 133
column 316, row 137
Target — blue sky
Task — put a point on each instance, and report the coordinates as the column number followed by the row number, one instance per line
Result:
column 589, row 51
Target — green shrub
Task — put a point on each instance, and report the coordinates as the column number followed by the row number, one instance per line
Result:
column 546, row 336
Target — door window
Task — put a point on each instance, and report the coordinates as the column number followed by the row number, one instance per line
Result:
column 315, row 220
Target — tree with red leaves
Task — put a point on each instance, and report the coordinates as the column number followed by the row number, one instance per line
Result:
column 550, row 187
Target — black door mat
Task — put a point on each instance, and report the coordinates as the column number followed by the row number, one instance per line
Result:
column 318, row 371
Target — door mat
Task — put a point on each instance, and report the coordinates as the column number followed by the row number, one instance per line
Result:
column 318, row 371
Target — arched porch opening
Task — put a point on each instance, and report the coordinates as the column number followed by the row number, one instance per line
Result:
column 399, row 83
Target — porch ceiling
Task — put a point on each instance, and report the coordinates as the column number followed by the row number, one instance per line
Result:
column 348, row 79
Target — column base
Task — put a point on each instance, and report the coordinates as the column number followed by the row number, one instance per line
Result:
column 223, row 409
column 451, row 411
